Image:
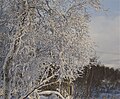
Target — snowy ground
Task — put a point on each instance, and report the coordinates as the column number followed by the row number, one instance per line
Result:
column 50, row 97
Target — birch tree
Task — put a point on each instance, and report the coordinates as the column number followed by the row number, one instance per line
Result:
column 49, row 39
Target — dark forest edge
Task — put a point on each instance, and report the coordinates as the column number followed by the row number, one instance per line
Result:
column 98, row 80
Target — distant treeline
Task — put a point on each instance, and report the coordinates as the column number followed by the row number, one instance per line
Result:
column 97, row 79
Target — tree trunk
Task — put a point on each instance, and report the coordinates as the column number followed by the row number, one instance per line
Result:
column 8, row 65
column 6, row 69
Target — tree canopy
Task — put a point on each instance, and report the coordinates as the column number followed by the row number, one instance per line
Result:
column 45, row 36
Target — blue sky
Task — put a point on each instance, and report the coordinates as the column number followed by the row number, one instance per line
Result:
column 113, row 6
column 105, row 30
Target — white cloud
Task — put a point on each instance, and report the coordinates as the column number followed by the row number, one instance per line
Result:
column 105, row 31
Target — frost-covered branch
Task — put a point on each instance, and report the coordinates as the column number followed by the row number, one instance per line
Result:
column 42, row 84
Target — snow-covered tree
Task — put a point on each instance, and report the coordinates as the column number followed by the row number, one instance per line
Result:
column 48, row 39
